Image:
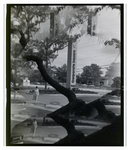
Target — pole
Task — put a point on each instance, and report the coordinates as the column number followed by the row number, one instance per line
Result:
column 46, row 61
column 69, row 62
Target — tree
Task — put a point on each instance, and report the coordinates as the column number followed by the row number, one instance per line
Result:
column 35, row 76
column 61, row 73
column 91, row 74
column 116, row 82
column 25, row 23
column 75, row 105
column 26, row 20
column 114, row 42
column 79, row 79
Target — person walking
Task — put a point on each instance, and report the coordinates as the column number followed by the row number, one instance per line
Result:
column 36, row 94
column 34, row 127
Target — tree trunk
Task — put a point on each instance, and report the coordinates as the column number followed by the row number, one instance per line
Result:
column 66, row 92
column 78, row 107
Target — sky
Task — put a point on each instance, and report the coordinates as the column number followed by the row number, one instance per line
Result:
column 91, row 49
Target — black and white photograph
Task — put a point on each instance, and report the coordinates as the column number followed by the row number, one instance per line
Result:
column 65, row 75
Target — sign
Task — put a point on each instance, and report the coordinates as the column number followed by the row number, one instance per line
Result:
column 73, row 63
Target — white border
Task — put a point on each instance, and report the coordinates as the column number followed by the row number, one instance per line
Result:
column 126, row 63
column 4, row 77
column 125, row 77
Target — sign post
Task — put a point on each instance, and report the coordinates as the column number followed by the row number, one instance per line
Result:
column 71, row 64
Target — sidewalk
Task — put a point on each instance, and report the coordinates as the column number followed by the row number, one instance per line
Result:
column 23, row 108
column 44, row 134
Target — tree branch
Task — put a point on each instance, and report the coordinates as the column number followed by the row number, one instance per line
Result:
column 70, row 128
column 56, row 49
column 22, row 40
column 67, row 92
